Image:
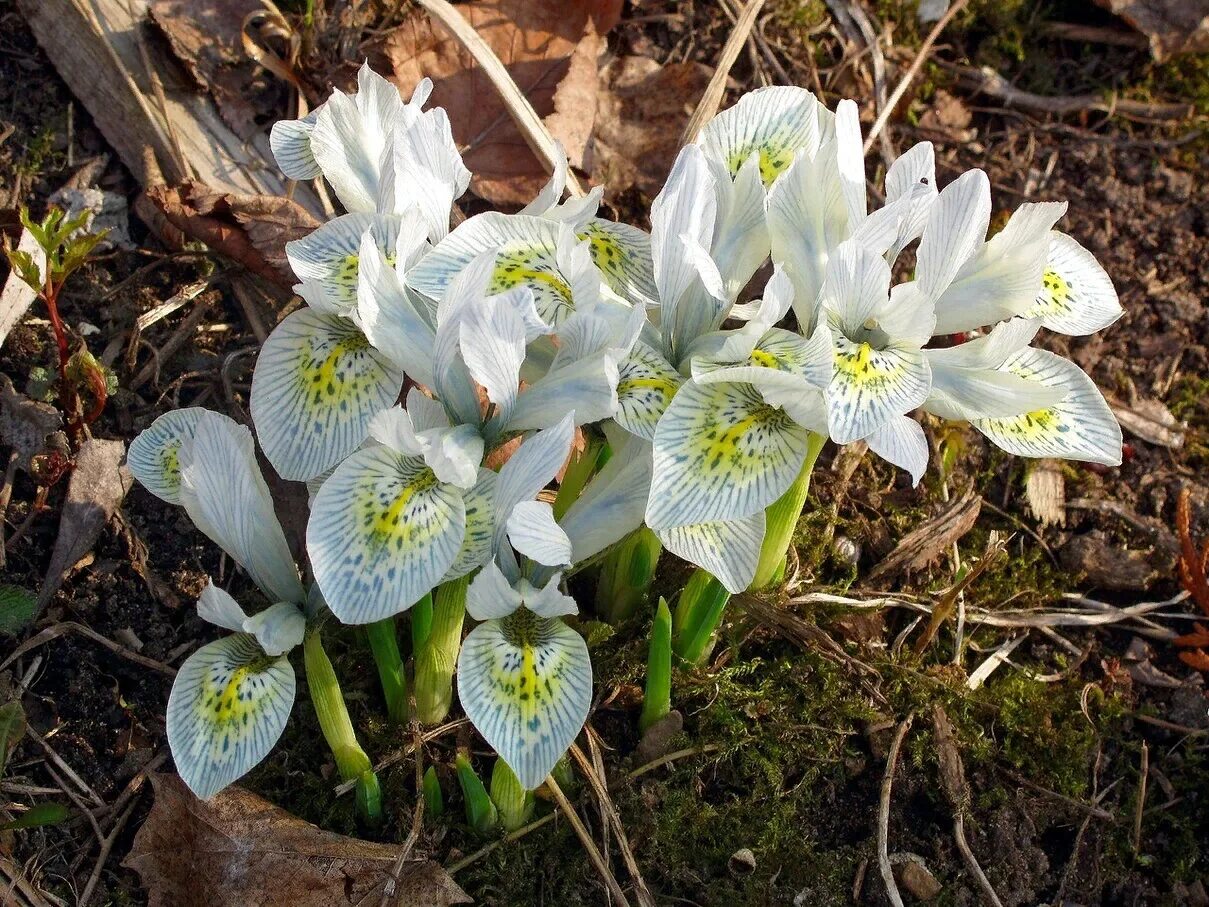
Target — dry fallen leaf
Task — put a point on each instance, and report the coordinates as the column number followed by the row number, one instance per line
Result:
column 921, row 546
column 549, row 47
column 640, row 115
column 251, row 229
column 1171, row 26
column 238, row 850
column 206, row 38
column 97, row 486
column 1151, row 421
column 28, row 426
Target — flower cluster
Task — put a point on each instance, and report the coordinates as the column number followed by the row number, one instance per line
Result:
column 571, row 385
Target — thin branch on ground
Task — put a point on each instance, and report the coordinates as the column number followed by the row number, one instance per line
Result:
column 711, row 99
column 585, row 838
column 883, row 813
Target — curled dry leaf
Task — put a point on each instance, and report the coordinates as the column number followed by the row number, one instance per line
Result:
column 550, row 49
column 641, row 113
column 97, row 487
column 1151, row 421
column 1171, row 26
column 206, row 38
column 920, row 547
column 238, row 849
column 251, row 229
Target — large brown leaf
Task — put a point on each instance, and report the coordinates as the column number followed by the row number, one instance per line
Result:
column 641, row 113
column 251, row 229
column 238, row 850
column 550, row 48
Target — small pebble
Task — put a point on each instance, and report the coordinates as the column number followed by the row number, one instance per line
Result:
column 742, row 862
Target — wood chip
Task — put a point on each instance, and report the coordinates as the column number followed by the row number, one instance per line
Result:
column 17, row 296
column 97, row 487
column 1150, row 420
column 1045, row 491
column 920, row 547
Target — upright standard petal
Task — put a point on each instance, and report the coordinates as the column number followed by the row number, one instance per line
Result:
column 490, row 596
column 588, row 388
column 1002, row 279
column 956, row 228
column 425, row 171
column 317, row 384
column 216, row 606
column 225, row 495
column 531, row 468
column 526, row 685
column 492, row 343
column 383, row 531
column 227, row 709
column 278, row 628
column 727, row 549
column 1079, row 427
column 533, row 531
column 395, row 322
column 1076, row 296
column 721, row 453
column 613, row 502
column 154, row 455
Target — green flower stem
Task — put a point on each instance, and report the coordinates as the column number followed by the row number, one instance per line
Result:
column 481, row 814
column 351, row 761
column 700, row 612
column 421, row 622
column 626, row 575
column 782, row 519
column 657, row 701
column 385, row 646
column 514, row 803
column 578, row 472
column 436, row 659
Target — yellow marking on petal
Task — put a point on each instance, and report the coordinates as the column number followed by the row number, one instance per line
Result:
column 663, row 385
column 387, row 524
column 327, row 378
column 607, row 253
column 765, row 359
column 170, row 463
column 724, row 444
column 775, row 158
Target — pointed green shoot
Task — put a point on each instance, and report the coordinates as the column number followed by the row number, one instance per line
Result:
column 385, row 647
column 437, row 658
column 434, row 799
column 481, row 814
column 626, row 575
column 657, row 700
column 581, row 468
column 699, row 611
column 514, row 803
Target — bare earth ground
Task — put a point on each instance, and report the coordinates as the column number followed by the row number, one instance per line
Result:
column 795, row 736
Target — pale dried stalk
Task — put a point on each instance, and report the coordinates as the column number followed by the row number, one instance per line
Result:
column 712, row 98
column 912, row 71
column 883, row 813
column 586, row 840
column 531, row 127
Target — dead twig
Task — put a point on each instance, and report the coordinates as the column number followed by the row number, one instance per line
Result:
column 912, row 71
column 62, row 766
column 72, row 627
column 531, row 127
column 1140, row 806
column 990, row 83
column 712, row 97
column 883, row 812
column 597, row 783
column 957, row 789
column 602, row 868
column 178, row 339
